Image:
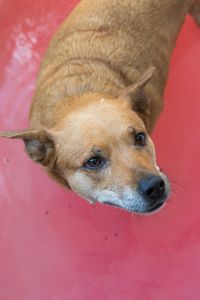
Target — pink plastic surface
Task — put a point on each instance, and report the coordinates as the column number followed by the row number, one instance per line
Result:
column 56, row 246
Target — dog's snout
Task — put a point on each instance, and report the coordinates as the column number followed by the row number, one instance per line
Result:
column 152, row 188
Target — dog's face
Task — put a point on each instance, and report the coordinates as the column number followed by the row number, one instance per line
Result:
column 101, row 149
column 103, row 152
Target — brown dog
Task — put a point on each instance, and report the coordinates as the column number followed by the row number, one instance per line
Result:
column 99, row 93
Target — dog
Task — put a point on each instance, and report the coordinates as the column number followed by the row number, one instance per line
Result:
column 98, row 96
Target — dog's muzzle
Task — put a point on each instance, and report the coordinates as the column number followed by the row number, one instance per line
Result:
column 149, row 196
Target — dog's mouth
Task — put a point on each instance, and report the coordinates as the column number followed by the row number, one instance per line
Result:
column 152, row 210
column 112, row 204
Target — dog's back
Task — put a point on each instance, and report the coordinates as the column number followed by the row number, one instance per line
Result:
column 105, row 45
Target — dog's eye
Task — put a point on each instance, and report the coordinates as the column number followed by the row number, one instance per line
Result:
column 94, row 163
column 140, row 139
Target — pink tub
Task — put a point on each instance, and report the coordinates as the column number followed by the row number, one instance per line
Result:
column 54, row 245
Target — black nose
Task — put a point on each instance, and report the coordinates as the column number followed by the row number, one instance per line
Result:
column 152, row 187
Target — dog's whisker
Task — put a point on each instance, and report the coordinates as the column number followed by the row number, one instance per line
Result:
column 173, row 172
column 177, row 183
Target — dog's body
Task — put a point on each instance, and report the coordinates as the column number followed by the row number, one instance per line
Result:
column 98, row 67
column 104, row 46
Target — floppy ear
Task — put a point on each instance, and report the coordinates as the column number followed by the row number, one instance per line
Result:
column 39, row 144
column 136, row 96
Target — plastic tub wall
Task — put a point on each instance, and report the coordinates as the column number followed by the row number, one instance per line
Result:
column 56, row 246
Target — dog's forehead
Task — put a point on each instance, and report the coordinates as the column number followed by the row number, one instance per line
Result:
column 109, row 116
column 105, row 125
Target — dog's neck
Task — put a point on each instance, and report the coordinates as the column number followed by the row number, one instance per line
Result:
column 98, row 79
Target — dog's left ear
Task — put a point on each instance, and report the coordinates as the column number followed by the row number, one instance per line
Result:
column 135, row 95
column 39, row 143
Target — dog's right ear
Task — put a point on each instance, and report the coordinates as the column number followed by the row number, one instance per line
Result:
column 39, row 144
column 136, row 87
column 136, row 97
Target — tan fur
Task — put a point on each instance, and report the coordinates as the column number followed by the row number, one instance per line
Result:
column 106, row 45
column 102, row 81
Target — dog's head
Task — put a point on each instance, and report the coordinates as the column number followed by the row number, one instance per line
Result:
column 102, row 150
